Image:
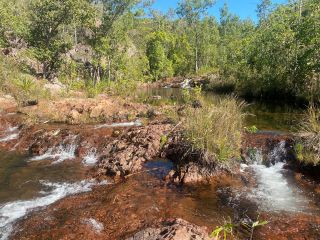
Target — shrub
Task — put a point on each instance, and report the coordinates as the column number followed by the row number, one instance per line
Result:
column 189, row 96
column 252, row 129
column 216, row 129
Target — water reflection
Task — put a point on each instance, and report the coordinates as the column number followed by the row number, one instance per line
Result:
column 266, row 116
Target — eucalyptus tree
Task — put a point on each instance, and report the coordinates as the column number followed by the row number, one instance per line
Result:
column 263, row 10
column 159, row 46
column 13, row 18
column 47, row 30
column 192, row 11
column 108, row 34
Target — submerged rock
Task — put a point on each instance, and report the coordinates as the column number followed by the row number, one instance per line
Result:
column 174, row 229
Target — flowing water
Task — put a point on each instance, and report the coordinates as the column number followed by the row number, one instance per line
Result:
column 31, row 184
column 26, row 185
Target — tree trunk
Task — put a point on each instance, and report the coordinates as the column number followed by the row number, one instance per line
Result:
column 75, row 36
column 109, row 68
column 197, row 64
column 197, row 50
column 97, row 75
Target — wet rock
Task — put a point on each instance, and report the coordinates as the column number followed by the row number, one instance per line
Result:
column 28, row 103
column 266, row 143
column 190, row 166
column 127, row 154
column 174, row 229
column 152, row 113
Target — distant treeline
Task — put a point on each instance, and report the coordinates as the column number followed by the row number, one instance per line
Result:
column 114, row 40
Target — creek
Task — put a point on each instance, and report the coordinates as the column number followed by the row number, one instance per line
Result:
column 272, row 192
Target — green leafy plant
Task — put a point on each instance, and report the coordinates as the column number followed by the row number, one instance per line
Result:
column 224, row 231
column 252, row 226
column 163, row 140
column 26, row 84
column 298, row 148
column 252, row 129
column 229, row 229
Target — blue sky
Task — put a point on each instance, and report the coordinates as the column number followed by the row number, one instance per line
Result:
column 243, row 8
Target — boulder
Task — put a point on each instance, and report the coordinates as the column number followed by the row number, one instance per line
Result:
column 176, row 229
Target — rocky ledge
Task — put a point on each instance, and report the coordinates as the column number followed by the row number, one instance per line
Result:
column 172, row 229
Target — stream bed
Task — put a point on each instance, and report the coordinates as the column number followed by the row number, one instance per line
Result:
column 51, row 196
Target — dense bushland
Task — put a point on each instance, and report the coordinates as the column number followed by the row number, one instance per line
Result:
column 120, row 41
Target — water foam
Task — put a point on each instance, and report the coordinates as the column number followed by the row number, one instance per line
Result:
column 186, row 84
column 12, row 134
column 273, row 192
column 59, row 154
column 11, row 212
column 91, row 158
column 136, row 123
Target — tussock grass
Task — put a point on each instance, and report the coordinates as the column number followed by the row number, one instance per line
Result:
column 216, row 129
column 308, row 146
column 21, row 85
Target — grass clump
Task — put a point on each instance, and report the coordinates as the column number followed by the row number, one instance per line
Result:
column 216, row 129
column 308, row 146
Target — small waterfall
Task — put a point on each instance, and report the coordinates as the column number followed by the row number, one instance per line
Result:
column 186, row 84
column 91, row 158
column 12, row 134
column 61, row 153
column 273, row 191
column 11, row 212
column 278, row 153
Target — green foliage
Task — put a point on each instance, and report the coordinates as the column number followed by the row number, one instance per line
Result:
column 158, row 48
column 163, row 140
column 226, row 230
column 191, row 11
column 252, row 226
column 252, row 129
column 229, row 229
column 190, row 96
column 298, row 148
column 216, row 129
column 47, row 34
column 279, row 56
column 21, row 86
column 13, row 16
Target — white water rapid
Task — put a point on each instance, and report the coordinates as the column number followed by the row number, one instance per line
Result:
column 273, row 191
column 12, row 211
